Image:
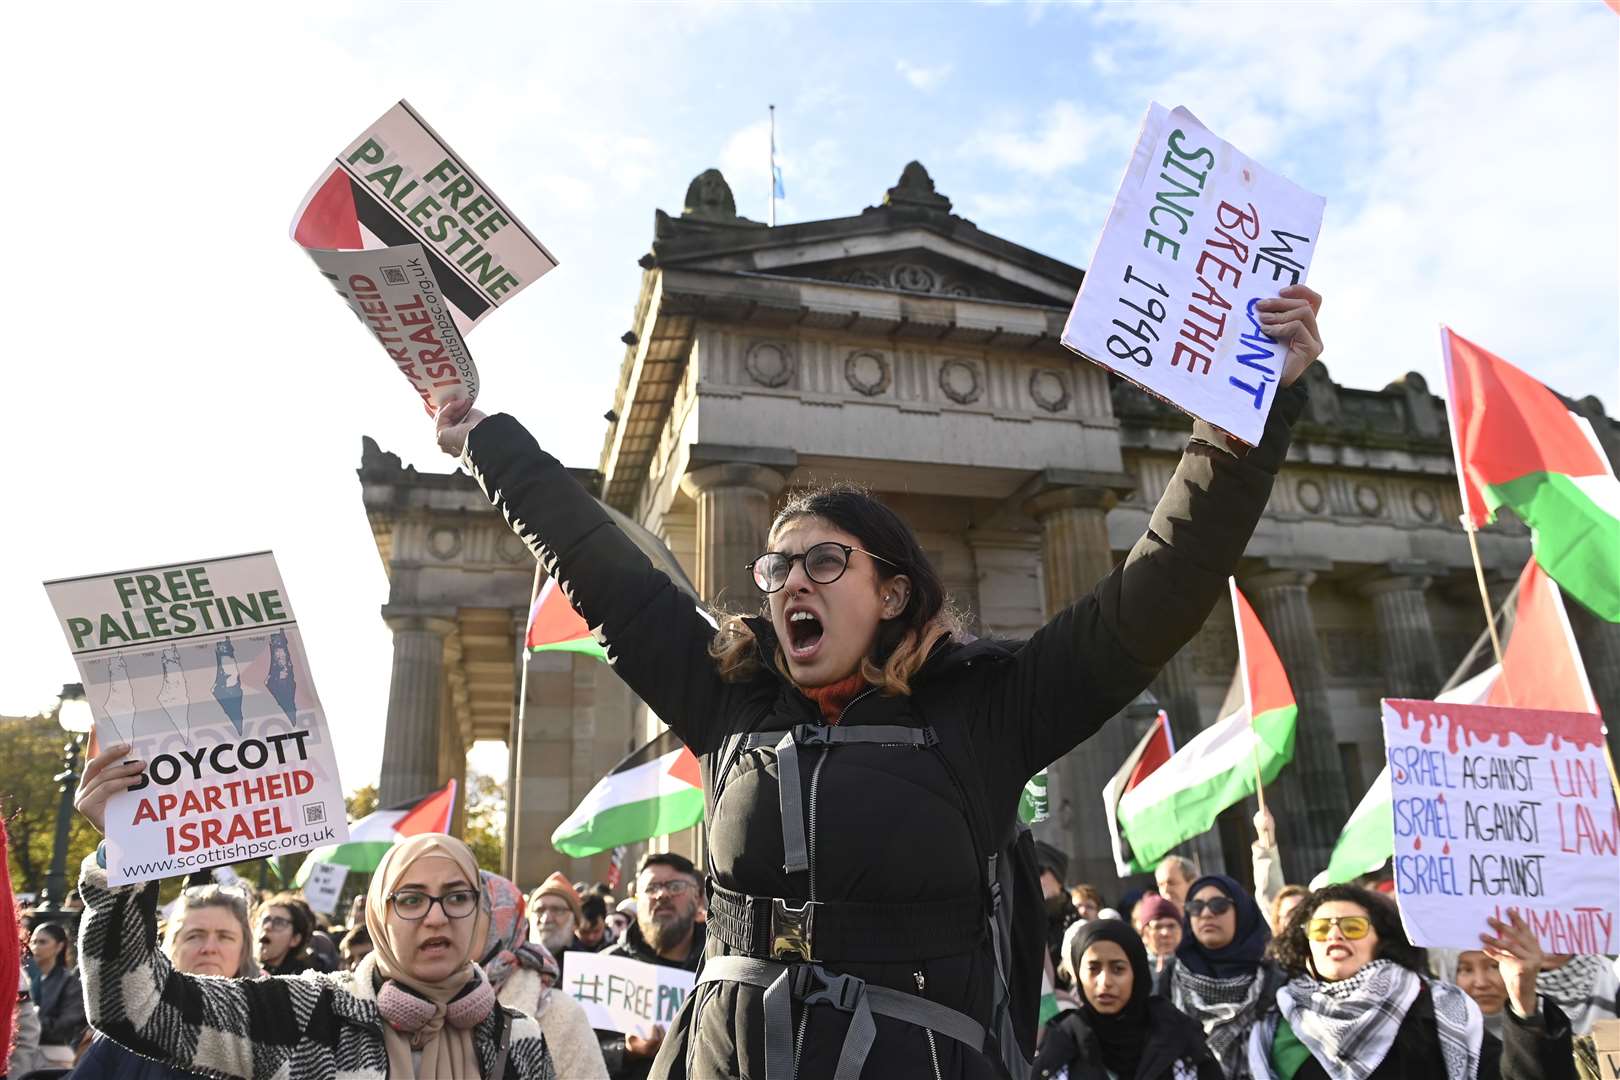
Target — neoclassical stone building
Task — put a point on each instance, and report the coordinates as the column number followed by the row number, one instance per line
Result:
column 904, row 348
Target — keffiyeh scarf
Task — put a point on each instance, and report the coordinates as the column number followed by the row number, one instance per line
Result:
column 1226, row 1008
column 1349, row 1026
column 1584, row 988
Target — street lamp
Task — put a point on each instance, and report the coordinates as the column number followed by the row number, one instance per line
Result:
column 74, row 715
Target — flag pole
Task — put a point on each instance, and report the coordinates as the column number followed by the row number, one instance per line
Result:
column 771, row 174
column 1485, row 599
column 514, row 809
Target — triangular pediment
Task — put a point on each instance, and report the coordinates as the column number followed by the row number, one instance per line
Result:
column 911, row 243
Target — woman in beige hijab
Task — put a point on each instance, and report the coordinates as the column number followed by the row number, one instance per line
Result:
column 418, row 1007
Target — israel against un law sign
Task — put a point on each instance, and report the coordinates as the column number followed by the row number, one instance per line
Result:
column 1197, row 236
column 1499, row 809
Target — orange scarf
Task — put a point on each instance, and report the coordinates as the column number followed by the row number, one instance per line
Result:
column 834, row 697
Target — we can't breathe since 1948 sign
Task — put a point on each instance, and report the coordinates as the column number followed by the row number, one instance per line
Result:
column 200, row 668
column 1198, row 235
column 1499, row 809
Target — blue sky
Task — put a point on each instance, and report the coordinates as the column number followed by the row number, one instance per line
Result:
column 194, row 389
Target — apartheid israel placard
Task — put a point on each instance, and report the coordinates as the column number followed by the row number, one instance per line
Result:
column 419, row 248
column 200, row 667
column 1198, row 235
column 1497, row 809
column 625, row 995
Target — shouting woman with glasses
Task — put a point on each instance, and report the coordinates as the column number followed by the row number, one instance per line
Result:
column 1359, row 1005
column 418, row 1006
column 862, row 757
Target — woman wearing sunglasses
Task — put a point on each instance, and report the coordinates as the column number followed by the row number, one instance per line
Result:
column 862, row 757
column 1358, row 1004
column 1220, row 976
column 418, row 1006
column 1122, row 1030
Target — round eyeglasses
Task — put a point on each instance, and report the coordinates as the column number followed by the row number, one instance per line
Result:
column 1353, row 927
column 824, row 563
column 411, row 905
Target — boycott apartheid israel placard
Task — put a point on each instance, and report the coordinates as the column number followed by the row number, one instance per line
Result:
column 625, row 995
column 1498, row 809
column 1198, row 234
column 200, row 667
column 418, row 247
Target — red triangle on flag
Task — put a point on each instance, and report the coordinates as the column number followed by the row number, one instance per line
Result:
column 1154, row 750
column 1541, row 663
column 1264, row 680
column 685, row 768
column 553, row 619
column 329, row 221
column 431, row 815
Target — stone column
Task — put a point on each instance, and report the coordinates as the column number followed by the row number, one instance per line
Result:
column 1308, row 799
column 734, row 501
column 410, row 766
column 1074, row 556
column 1406, row 646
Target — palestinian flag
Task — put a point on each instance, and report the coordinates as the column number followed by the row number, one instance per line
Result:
column 653, row 792
column 1154, row 750
column 554, row 625
column 372, row 836
column 1518, row 446
column 1544, row 671
column 1179, row 800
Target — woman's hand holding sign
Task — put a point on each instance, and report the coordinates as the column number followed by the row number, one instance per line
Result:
column 1518, row 957
column 103, row 778
column 1291, row 319
column 455, row 421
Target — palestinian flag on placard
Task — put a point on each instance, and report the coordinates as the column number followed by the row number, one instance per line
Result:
column 372, row 836
column 1155, row 748
column 1544, row 671
column 1518, row 446
column 1179, row 800
column 655, row 791
column 554, row 625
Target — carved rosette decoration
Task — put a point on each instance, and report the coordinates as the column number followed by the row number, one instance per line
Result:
column 867, row 372
column 960, row 381
column 1368, row 500
column 510, row 548
column 769, row 363
column 1310, row 496
column 913, row 278
column 1050, row 390
column 865, row 277
column 443, row 543
column 1424, row 505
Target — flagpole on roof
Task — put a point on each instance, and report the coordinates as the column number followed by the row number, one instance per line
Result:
column 771, row 175
column 514, row 808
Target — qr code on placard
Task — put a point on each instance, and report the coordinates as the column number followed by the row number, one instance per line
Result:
column 314, row 813
column 394, row 275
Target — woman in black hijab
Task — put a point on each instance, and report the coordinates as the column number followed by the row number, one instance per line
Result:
column 1121, row 1030
column 1220, row 976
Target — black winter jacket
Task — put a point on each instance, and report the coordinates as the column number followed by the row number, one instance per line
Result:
column 885, row 825
column 1174, row 1049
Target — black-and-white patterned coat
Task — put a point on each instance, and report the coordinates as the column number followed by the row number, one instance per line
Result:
column 309, row 1027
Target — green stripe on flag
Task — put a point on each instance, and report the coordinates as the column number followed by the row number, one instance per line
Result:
column 1368, row 839
column 1183, row 811
column 628, row 823
column 1575, row 538
column 583, row 646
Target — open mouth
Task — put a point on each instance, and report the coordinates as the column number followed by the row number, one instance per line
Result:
column 1339, row 952
column 434, row 946
column 804, row 634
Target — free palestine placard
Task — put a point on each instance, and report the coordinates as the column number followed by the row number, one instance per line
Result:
column 200, row 667
column 1198, row 234
column 419, row 248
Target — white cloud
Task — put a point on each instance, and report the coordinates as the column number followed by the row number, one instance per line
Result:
column 923, row 78
column 1066, row 136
